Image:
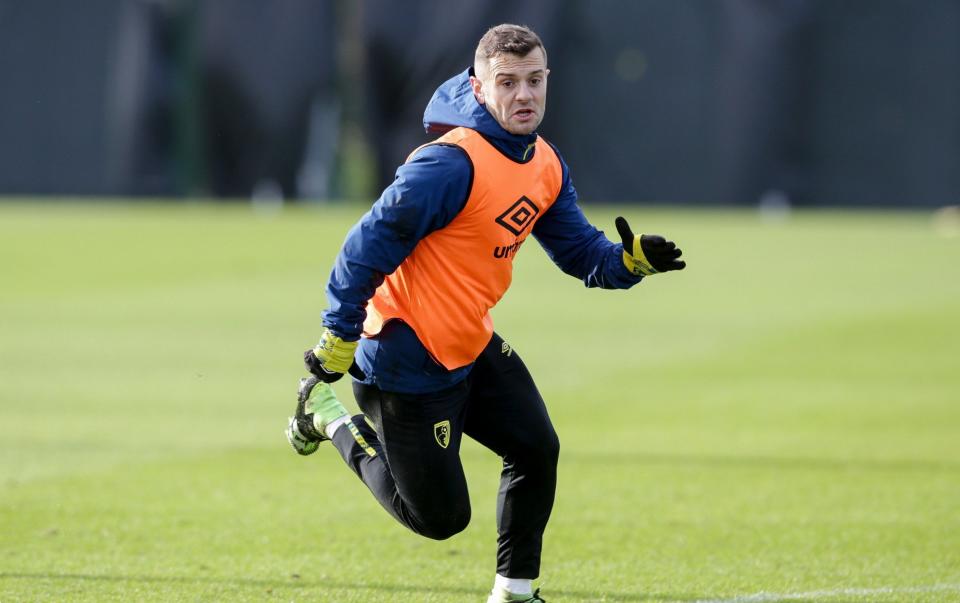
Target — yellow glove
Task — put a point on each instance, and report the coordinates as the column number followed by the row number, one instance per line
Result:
column 331, row 358
column 644, row 255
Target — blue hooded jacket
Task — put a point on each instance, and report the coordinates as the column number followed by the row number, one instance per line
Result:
column 426, row 195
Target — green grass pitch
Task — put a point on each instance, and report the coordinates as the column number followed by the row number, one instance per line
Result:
column 779, row 422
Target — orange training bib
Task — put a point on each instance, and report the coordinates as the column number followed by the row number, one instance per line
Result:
column 445, row 288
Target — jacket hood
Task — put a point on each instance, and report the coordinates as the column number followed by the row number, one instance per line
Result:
column 453, row 105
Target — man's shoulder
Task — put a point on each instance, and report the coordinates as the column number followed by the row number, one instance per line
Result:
column 452, row 135
column 549, row 147
column 439, row 155
column 434, row 163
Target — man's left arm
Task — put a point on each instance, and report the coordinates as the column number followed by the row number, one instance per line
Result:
column 581, row 250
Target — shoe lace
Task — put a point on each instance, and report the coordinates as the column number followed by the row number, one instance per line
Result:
column 535, row 598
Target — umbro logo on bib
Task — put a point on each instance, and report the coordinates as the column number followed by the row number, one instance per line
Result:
column 519, row 215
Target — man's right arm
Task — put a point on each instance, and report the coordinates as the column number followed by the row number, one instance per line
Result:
column 426, row 195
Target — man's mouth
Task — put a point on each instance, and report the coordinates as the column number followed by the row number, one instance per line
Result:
column 524, row 114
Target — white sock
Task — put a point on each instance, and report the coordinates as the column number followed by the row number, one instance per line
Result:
column 514, row 586
column 332, row 427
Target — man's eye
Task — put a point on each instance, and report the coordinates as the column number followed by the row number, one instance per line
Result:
column 506, row 83
column 535, row 81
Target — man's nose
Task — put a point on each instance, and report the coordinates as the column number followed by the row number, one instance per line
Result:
column 523, row 92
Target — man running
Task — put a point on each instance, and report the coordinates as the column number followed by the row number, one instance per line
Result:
column 409, row 299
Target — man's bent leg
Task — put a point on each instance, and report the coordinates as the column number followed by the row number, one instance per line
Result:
column 411, row 461
column 506, row 414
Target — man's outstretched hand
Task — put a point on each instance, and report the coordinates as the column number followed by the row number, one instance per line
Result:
column 644, row 255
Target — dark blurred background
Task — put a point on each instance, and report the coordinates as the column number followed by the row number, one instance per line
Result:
column 806, row 102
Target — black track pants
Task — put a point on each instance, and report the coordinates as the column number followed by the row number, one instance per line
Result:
column 411, row 462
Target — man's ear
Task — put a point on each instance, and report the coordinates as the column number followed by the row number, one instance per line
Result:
column 477, row 87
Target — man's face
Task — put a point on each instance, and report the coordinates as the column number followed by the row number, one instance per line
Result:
column 514, row 89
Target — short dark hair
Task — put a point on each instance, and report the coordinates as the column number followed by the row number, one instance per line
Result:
column 508, row 38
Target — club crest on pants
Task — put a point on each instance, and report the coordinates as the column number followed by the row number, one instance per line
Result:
column 441, row 433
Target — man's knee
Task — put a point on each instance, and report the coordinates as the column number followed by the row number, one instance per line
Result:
column 443, row 525
column 539, row 454
column 545, row 450
column 551, row 448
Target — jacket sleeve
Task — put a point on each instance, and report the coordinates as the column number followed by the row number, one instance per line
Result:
column 576, row 246
column 426, row 195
